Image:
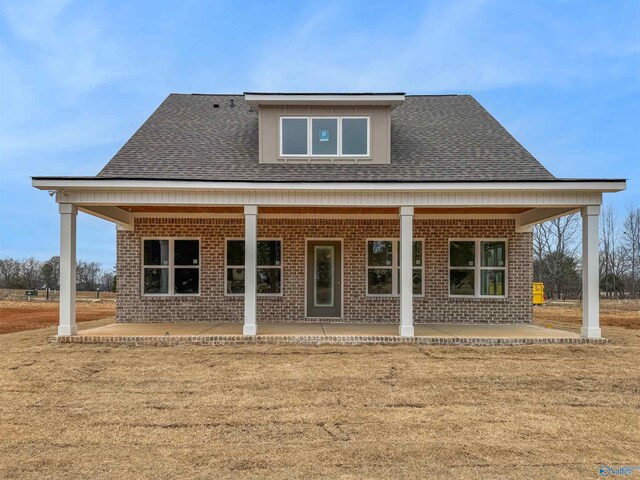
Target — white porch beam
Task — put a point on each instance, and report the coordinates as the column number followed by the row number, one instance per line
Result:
column 320, row 198
column 526, row 220
column 590, row 272
column 406, row 272
column 67, row 323
column 123, row 219
column 250, row 268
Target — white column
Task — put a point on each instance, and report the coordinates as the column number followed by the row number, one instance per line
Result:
column 68, row 214
column 590, row 272
column 250, row 265
column 406, row 271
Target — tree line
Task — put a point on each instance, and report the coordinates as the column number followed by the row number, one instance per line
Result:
column 31, row 273
column 557, row 255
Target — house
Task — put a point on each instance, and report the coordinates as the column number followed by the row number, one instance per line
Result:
column 333, row 207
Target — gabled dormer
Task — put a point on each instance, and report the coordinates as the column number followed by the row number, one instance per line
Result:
column 324, row 128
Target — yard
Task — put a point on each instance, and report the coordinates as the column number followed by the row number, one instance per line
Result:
column 16, row 316
column 336, row 412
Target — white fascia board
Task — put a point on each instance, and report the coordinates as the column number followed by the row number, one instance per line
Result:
column 586, row 186
column 256, row 100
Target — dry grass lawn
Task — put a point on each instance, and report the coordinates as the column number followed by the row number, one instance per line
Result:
column 77, row 411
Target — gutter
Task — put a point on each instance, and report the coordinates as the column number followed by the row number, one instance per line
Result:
column 582, row 185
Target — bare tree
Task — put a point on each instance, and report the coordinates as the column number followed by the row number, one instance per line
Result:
column 555, row 245
column 612, row 263
column 10, row 274
column 51, row 273
column 107, row 281
column 631, row 248
column 87, row 275
column 31, row 273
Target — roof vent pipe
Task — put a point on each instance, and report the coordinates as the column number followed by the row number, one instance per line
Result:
column 231, row 100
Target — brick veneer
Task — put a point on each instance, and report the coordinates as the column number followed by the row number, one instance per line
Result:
column 213, row 305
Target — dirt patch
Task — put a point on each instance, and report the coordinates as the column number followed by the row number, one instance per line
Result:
column 19, row 316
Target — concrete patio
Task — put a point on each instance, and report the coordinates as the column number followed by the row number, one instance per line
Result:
column 223, row 333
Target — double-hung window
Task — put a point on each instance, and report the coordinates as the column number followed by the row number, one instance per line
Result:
column 324, row 136
column 269, row 271
column 171, row 266
column 477, row 268
column 383, row 267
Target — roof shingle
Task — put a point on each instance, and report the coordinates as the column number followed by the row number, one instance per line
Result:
column 433, row 138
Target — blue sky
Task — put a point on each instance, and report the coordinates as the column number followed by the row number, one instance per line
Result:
column 78, row 78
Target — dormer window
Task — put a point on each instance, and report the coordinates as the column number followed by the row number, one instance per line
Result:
column 324, row 136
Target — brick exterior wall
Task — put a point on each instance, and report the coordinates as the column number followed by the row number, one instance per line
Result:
column 213, row 305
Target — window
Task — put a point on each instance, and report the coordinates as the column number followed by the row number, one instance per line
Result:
column 269, row 271
column 355, row 136
column 170, row 266
column 383, row 267
column 294, row 136
column 477, row 268
column 324, row 136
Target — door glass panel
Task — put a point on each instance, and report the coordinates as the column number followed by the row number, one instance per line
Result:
column 323, row 256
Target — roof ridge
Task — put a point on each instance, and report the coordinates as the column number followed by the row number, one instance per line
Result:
column 316, row 93
column 212, row 94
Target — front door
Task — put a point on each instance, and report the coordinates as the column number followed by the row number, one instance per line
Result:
column 324, row 278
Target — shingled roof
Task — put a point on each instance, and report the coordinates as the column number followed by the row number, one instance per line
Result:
column 433, row 138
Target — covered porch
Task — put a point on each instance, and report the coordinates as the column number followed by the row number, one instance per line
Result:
column 128, row 203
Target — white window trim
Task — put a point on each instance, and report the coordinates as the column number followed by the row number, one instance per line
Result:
column 395, row 267
column 310, row 153
column 170, row 267
column 477, row 268
column 281, row 267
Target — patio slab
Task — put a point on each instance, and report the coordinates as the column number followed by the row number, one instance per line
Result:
column 146, row 329
column 432, row 330
column 334, row 329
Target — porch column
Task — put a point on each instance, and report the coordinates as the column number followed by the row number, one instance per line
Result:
column 590, row 272
column 68, row 214
column 250, row 267
column 406, row 271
